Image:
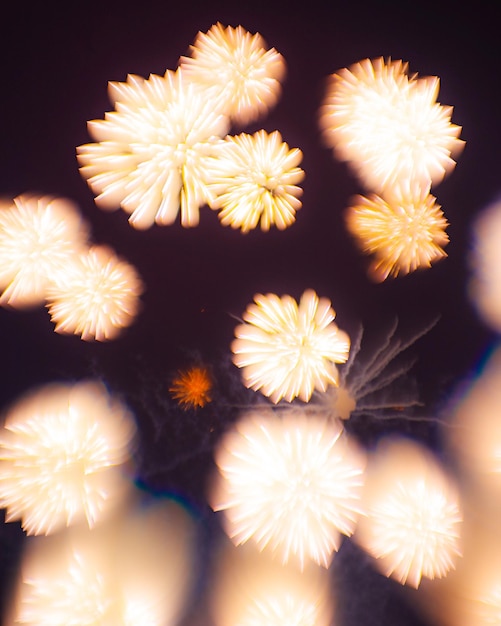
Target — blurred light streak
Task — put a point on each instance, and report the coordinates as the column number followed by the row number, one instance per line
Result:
column 475, row 435
column 485, row 259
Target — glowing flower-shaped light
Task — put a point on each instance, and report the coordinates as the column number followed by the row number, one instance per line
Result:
column 404, row 232
column 240, row 74
column 388, row 125
column 38, row 235
column 254, row 180
column 192, row 387
column 290, row 483
column 412, row 515
column 151, row 153
column 96, row 296
column 288, row 350
column 59, row 452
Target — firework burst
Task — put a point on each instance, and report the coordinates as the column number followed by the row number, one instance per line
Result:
column 240, row 75
column 388, row 125
column 254, row 180
column 192, row 387
column 152, row 150
column 291, row 483
column 38, row 236
column 59, row 452
column 288, row 350
column 96, row 296
column 404, row 232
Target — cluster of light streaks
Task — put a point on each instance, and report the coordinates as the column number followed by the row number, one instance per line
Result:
column 291, row 483
column 192, row 387
column 287, row 350
column 254, row 180
column 412, row 516
column 61, row 449
column 400, row 141
column 236, row 71
column 162, row 150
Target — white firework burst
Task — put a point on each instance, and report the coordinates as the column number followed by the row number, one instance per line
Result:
column 96, row 296
column 388, row 125
column 288, row 350
column 240, row 75
column 59, row 452
column 151, row 152
column 412, row 515
column 291, row 483
column 38, row 236
column 254, row 180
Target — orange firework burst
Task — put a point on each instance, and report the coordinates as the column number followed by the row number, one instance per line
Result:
column 192, row 387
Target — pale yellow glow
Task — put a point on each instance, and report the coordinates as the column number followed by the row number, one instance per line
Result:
column 151, row 152
column 288, row 350
column 136, row 568
column 96, row 296
column 291, row 483
column 252, row 589
column 404, row 232
column 476, row 436
column 412, row 515
column 240, row 75
column 38, row 236
column 485, row 283
column 254, row 181
column 388, row 125
column 60, row 452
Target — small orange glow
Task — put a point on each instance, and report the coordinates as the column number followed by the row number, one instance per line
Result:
column 192, row 387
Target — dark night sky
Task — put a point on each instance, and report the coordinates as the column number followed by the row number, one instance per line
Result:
column 55, row 66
